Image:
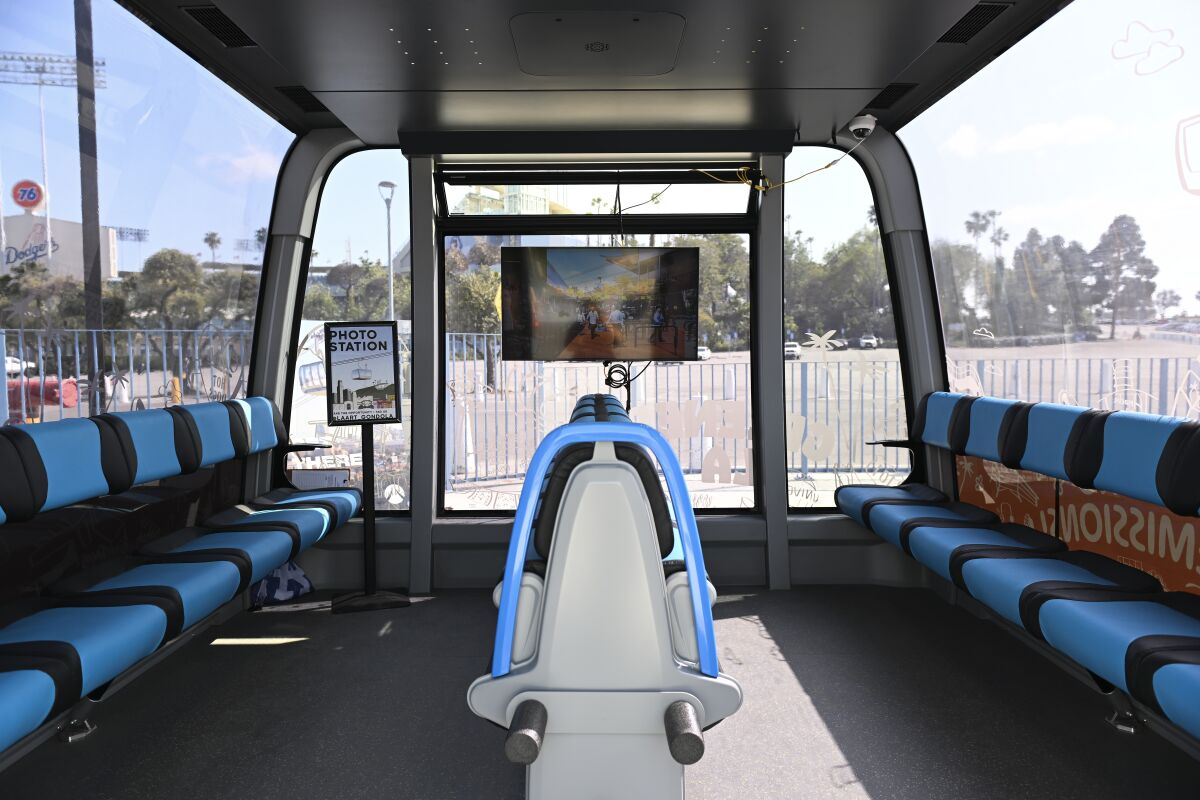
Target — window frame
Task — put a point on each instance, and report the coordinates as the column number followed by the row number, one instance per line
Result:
column 918, row 467
column 280, row 467
column 517, row 224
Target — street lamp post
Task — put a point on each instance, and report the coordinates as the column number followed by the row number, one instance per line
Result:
column 387, row 190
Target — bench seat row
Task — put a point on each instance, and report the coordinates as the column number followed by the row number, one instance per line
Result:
column 1114, row 621
column 73, row 639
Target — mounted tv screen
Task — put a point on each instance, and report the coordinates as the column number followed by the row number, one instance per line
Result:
column 599, row 303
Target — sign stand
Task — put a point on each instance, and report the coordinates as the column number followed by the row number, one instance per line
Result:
column 362, row 388
column 370, row 599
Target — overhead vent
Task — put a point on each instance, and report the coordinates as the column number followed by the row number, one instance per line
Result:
column 891, row 95
column 973, row 22
column 215, row 22
column 305, row 100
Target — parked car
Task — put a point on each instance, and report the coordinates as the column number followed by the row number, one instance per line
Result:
column 791, row 351
column 15, row 366
column 868, row 341
column 703, row 353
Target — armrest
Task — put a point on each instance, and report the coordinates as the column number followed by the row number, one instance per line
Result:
column 906, row 444
column 302, row 447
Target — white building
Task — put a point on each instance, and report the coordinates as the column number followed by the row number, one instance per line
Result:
column 25, row 240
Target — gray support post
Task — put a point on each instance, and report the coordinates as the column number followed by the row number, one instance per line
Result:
column 767, row 341
column 902, row 223
column 427, row 348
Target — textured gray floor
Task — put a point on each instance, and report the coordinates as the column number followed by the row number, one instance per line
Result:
column 850, row 693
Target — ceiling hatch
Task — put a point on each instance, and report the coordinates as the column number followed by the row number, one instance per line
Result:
column 597, row 43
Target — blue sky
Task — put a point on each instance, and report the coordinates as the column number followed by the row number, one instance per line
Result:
column 1074, row 125
column 180, row 153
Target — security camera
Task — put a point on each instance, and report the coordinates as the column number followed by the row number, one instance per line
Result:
column 862, row 126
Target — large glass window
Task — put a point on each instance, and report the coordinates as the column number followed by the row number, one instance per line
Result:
column 841, row 363
column 361, row 240
column 665, row 198
column 497, row 411
column 1061, row 186
column 183, row 179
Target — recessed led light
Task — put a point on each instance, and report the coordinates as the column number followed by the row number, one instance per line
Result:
column 393, row 30
column 429, row 29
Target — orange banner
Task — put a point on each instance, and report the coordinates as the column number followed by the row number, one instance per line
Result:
column 1143, row 535
column 1013, row 495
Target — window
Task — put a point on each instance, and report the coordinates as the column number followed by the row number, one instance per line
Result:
column 497, row 411
column 842, row 375
column 361, row 236
column 665, row 198
column 1061, row 186
column 184, row 179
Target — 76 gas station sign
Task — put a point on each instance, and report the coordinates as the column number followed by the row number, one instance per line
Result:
column 28, row 194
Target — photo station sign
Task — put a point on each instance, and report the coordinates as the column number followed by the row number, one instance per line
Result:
column 362, row 365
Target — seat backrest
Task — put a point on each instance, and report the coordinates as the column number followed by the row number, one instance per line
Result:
column 1123, row 452
column 55, row 464
column 156, row 443
column 603, row 408
column 989, row 426
column 943, row 420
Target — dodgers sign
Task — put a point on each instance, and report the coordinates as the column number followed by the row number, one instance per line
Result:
column 362, row 367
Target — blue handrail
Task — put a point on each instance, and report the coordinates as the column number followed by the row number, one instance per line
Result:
column 586, row 432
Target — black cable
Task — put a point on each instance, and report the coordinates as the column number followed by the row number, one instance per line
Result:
column 653, row 197
column 616, row 376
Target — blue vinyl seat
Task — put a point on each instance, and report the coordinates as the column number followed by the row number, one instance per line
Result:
column 1147, row 647
column 27, row 697
column 107, row 640
column 941, row 546
column 202, row 586
column 1017, row 584
column 942, row 420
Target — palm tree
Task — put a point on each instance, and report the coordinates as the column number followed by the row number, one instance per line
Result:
column 212, row 240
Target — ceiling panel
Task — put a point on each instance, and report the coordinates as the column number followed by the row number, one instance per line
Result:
column 377, row 117
column 461, row 45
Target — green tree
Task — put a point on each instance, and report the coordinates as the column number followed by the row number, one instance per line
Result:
column 1123, row 274
column 952, row 268
column 724, row 303
column 471, row 302
column 212, row 240
column 168, row 292
column 1165, row 300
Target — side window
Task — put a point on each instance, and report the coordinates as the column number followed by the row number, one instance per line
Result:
column 360, row 245
column 842, row 376
column 1061, row 217
column 1061, row 238
column 153, row 305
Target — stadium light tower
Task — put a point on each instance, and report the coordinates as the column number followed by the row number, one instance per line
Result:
column 387, row 190
column 45, row 69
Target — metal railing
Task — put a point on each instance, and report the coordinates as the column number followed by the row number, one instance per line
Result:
column 497, row 411
column 48, row 377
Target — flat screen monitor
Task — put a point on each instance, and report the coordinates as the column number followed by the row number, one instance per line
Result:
column 599, row 303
